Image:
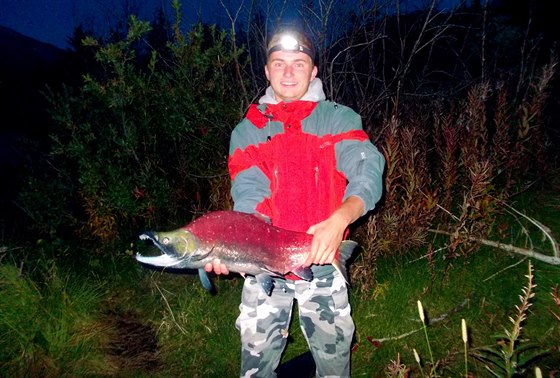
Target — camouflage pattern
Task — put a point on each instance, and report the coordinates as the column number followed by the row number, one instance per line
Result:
column 325, row 320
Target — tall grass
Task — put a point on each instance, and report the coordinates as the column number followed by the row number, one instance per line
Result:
column 52, row 328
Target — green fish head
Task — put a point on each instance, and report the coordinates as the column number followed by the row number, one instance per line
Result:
column 178, row 244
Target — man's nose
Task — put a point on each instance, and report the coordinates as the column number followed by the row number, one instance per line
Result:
column 288, row 71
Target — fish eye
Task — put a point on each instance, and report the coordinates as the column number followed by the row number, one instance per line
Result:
column 165, row 241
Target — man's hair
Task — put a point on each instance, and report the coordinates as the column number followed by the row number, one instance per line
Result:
column 306, row 46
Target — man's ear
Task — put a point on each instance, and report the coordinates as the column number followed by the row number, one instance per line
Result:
column 266, row 72
column 314, row 72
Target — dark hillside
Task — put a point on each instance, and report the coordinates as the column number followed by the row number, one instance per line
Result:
column 26, row 67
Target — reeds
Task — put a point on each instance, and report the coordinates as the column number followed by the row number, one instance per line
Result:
column 449, row 165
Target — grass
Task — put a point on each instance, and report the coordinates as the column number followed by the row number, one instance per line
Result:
column 471, row 291
column 123, row 320
column 50, row 329
column 198, row 335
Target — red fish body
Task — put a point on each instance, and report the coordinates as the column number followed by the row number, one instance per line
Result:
column 242, row 239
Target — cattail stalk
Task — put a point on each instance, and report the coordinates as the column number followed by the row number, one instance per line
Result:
column 423, row 319
column 417, row 358
column 465, row 344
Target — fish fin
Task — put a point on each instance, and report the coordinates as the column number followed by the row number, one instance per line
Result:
column 303, row 272
column 341, row 269
column 201, row 255
column 345, row 252
column 266, row 282
column 346, row 249
column 205, row 280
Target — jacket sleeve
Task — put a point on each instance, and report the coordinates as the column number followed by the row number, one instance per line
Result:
column 249, row 185
column 361, row 162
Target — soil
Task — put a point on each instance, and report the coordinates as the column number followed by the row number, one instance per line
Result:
column 133, row 344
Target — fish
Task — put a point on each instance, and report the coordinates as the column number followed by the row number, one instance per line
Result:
column 244, row 242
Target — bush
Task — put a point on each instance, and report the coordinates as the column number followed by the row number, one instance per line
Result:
column 142, row 141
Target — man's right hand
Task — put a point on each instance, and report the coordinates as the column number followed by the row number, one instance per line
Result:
column 217, row 267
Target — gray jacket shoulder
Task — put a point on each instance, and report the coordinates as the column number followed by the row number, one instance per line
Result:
column 332, row 118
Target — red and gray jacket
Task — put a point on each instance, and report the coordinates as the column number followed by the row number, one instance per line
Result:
column 296, row 162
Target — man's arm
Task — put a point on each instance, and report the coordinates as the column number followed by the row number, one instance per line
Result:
column 362, row 164
column 249, row 186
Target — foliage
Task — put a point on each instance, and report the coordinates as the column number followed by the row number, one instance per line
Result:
column 452, row 165
column 142, row 141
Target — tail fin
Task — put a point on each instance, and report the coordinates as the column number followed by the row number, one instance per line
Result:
column 345, row 252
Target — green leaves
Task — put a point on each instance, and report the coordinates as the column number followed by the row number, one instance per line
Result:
column 144, row 136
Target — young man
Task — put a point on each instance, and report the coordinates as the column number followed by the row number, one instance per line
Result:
column 306, row 165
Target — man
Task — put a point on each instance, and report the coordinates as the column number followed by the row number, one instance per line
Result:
column 305, row 164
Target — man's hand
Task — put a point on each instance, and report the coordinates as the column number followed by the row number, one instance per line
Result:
column 217, row 267
column 328, row 234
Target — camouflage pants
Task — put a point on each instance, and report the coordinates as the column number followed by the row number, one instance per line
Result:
column 325, row 320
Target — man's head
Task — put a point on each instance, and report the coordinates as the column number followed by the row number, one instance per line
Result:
column 290, row 67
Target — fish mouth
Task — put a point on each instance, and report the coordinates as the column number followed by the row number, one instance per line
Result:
column 169, row 258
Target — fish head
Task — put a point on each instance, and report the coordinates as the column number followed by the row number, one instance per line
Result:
column 178, row 248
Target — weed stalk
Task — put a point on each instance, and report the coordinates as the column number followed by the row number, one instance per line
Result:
column 509, row 356
column 423, row 319
column 465, row 345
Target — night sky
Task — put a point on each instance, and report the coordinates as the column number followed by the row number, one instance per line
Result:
column 53, row 21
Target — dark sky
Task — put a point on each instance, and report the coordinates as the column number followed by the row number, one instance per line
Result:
column 53, row 21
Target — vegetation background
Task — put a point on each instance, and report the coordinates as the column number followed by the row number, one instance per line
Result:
column 463, row 103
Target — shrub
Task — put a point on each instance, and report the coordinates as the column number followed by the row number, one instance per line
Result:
column 142, row 141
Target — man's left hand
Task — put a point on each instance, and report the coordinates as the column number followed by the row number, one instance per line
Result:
column 328, row 234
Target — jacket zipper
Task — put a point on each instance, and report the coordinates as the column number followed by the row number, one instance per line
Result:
column 361, row 162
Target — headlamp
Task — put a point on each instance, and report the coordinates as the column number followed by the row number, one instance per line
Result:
column 290, row 43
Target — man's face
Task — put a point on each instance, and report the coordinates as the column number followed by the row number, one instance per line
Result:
column 289, row 74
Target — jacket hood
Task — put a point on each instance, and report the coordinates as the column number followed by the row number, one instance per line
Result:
column 314, row 93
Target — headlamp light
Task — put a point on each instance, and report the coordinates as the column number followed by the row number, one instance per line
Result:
column 290, row 43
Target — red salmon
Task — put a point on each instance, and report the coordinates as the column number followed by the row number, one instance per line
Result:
column 243, row 242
